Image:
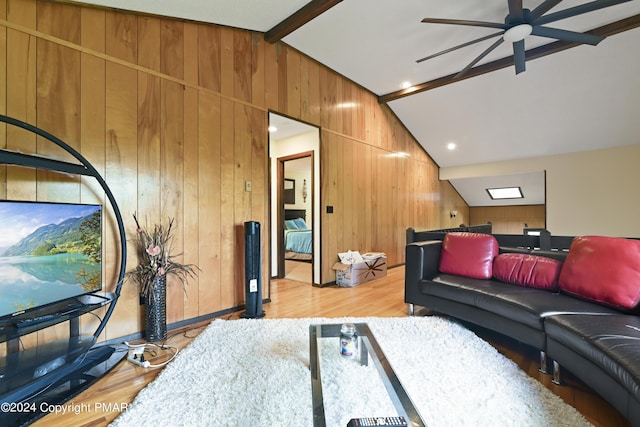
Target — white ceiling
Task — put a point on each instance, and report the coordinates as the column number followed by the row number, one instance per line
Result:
column 284, row 127
column 474, row 190
column 585, row 98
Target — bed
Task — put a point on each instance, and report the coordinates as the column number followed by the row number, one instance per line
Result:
column 297, row 235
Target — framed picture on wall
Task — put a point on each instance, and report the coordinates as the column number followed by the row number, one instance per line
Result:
column 289, row 191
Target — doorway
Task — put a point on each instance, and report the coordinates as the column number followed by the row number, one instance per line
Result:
column 295, row 172
column 295, row 220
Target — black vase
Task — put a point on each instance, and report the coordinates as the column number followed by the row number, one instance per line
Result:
column 156, row 310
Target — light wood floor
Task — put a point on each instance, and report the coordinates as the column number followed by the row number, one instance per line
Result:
column 298, row 271
column 381, row 298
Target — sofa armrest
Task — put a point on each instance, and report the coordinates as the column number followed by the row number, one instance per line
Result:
column 421, row 263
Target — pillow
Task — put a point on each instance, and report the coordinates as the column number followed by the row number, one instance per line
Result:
column 527, row 270
column 299, row 222
column 289, row 224
column 468, row 254
column 604, row 270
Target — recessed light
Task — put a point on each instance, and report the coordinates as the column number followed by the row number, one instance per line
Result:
column 272, row 129
column 451, row 146
column 406, row 85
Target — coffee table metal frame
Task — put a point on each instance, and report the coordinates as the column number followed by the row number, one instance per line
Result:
column 368, row 348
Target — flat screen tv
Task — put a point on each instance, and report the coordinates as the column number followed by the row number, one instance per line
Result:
column 49, row 253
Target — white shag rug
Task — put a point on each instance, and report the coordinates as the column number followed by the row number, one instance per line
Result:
column 256, row 372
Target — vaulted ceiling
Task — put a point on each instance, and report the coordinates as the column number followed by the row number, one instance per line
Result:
column 577, row 98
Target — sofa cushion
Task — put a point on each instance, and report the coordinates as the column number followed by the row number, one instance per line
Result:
column 528, row 306
column 611, row 342
column 527, row 270
column 603, row 269
column 468, row 254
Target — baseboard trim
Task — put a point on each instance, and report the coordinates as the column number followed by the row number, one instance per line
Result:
column 180, row 324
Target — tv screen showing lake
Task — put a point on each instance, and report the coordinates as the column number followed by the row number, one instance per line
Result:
column 50, row 252
column 31, row 281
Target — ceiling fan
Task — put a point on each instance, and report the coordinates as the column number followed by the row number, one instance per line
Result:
column 522, row 22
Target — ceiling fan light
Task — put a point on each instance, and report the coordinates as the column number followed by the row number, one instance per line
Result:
column 517, row 33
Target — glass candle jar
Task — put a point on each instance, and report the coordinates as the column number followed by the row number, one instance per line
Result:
column 348, row 340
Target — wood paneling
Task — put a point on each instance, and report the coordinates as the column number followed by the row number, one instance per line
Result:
column 209, row 57
column 174, row 115
column 92, row 110
column 172, row 166
column 121, row 173
column 149, row 40
column 226, row 70
column 3, row 97
column 20, row 90
column 172, row 48
column 122, row 36
column 191, row 222
column 209, row 204
column 509, row 219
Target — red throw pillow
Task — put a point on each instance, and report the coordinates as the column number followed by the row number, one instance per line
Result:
column 468, row 254
column 527, row 270
column 604, row 270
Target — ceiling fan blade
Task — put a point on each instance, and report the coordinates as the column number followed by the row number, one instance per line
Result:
column 577, row 10
column 459, row 46
column 564, row 35
column 543, row 8
column 482, row 55
column 519, row 56
column 515, row 9
column 464, row 22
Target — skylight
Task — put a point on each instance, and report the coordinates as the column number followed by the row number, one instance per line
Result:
column 505, row 193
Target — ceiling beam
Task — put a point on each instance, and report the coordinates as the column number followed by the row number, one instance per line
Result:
column 308, row 12
column 538, row 52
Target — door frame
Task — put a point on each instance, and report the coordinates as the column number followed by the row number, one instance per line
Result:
column 280, row 203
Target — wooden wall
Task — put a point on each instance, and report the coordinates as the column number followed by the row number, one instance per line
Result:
column 174, row 116
column 509, row 219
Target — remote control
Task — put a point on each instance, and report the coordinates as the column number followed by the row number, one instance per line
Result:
column 28, row 321
column 378, row 421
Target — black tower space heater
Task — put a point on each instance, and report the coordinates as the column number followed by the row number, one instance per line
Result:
column 252, row 271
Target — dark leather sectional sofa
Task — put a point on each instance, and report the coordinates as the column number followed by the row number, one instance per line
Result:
column 590, row 336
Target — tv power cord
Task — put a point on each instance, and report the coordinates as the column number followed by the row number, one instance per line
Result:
column 136, row 354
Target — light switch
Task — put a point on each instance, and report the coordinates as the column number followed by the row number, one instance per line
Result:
column 247, row 186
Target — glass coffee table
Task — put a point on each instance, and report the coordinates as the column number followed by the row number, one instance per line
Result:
column 348, row 388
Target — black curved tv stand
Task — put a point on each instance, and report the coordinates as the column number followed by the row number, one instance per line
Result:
column 36, row 378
